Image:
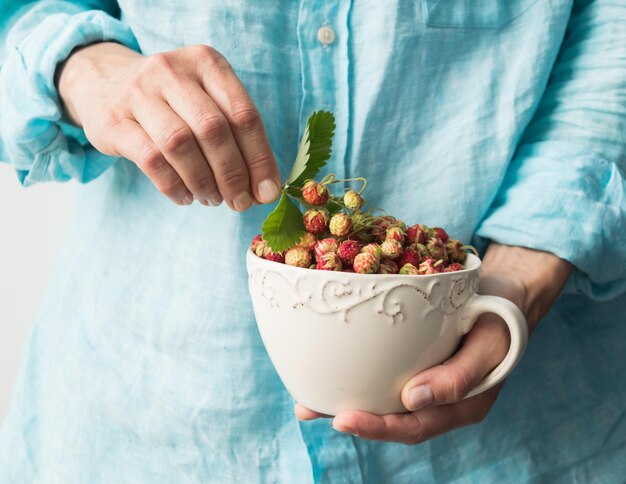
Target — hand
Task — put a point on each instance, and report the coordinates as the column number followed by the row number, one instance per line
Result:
column 532, row 280
column 182, row 116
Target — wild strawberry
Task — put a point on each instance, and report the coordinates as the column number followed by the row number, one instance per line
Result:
column 373, row 249
column 316, row 221
column 421, row 250
column 454, row 250
column 442, row 234
column 348, row 250
column 388, row 267
column 409, row 269
column 308, row 241
column 366, row 263
column 415, row 233
column 315, row 193
column 298, row 256
column 269, row 254
column 381, row 224
column 255, row 242
column 340, row 225
column 359, row 220
column 409, row 256
column 454, row 267
column 353, row 200
column 325, row 246
column 435, row 248
column 260, row 248
column 391, row 249
column 395, row 233
column 431, row 266
column 330, row 261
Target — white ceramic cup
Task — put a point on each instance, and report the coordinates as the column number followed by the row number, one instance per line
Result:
column 345, row 341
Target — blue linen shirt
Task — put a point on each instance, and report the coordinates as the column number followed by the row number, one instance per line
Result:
column 501, row 121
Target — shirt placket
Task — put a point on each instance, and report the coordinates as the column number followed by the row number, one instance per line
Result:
column 323, row 41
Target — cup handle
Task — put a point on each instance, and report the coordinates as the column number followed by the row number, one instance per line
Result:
column 518, row 327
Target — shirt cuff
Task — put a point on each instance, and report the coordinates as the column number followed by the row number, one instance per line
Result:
column 33, row 136
column 558, row 198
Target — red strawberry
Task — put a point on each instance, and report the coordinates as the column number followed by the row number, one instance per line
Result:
column 315, row 193
column 366, row 263
column 348, row 250
column 316, row 221
column 454, row 267
column 409, row 256
column 442, row 234
column 255, row 242
column 329, row 262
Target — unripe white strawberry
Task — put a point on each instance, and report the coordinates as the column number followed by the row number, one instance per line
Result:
column 409, row 269
column 298, row 256
column 391, row 249
column 353, row 200
column 325, row 246
column 308, row 241
column 340, row 225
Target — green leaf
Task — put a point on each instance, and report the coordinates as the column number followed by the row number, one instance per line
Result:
column 315, row 147
column 283, row 227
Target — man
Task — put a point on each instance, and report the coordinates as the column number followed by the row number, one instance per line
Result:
column 503, row 122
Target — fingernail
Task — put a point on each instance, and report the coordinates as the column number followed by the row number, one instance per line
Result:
column 203, row 201
column 187, row 200
column 419, row 397
column 242, row 201
column 215, row 200
column 268, row 191
column 344, row 429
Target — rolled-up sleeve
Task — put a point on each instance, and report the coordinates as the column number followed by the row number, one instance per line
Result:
column 565, row 189
column 36, row 37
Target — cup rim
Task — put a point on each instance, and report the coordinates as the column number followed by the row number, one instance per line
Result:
column 474, row 262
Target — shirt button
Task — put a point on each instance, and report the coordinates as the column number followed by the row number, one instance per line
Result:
column 326, row 35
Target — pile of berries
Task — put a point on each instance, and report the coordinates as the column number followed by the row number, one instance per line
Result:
column 354, row 240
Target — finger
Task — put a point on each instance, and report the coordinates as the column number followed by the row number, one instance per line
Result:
column 417, row 427
column 225, row 88
column 175, row 140
column 484, row 347
column 215, row 138
column 133, row 143
column 303, row 413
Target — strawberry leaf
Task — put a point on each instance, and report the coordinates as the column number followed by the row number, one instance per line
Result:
column 315, row 148
column 283, row 227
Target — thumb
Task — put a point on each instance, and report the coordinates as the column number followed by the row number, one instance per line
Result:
column 484, row 348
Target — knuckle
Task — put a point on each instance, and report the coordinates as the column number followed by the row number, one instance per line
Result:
column 260, row 161
column 204, row 184
column 459, row 383
column 245, row 117
column 151, row 159
column 212, row 128
column 177, row 140
column 232, row 176
column 159, row 62
column 210, row 56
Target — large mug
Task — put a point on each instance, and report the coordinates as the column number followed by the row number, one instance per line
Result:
column 344, row 341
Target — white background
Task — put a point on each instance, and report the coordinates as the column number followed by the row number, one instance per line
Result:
column 33, row 225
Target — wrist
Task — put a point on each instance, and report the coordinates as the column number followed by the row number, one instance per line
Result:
column 531, row 279
column 86, row 65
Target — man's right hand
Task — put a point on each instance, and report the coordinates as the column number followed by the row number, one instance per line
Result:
column 182, row 116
